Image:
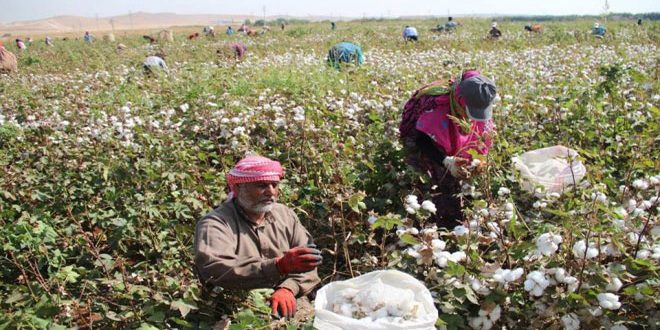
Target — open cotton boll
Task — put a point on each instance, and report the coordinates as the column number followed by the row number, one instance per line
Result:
column 429, row 206
column 609, row 301
column 535, row 283
column 614, row 285
column 579, row 250
column 548, row 243
column 570, row 322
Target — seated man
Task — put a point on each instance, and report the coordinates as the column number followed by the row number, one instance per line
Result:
column 251, row 241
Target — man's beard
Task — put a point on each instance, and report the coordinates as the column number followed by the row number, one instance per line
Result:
column 262, row 206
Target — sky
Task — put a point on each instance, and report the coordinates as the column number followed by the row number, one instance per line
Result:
column 21, row 10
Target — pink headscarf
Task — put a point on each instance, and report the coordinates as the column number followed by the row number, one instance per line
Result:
column 253, row 169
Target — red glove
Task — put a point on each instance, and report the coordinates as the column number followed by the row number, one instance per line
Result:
column 299, row 260
column 283, row 303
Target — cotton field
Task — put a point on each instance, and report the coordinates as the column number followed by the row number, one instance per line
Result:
column 104, row 171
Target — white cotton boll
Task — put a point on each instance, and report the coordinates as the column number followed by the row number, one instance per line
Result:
column 539, row 205
column 535, row 283
column 645, row 205
column 410, row 210
column 503, row 191
column 614, row 285
column 579, row 250
column 441, row 258
column 478, row 287
column 438, row 245
column 612, row 251
column 608, row 301
column 429, row 206
column 508, row 207
column 460, row 230
column 640, row 184
column 643, row 254
column 619, row 327
column 656, row 252
column 654, row 180
column 413, row 231
column 631, row 205
column 513, row 275
column 279, row 122
column 411, row 201
column 632, row 238
column 458, row 256
column 548, row 243
column 560, row 274
column 372, row 219
column 379, row 314
column 570, row 322
column 476, row 322
column 599, row 197
column 184, row 107
column 572, row 283
column 507, row 275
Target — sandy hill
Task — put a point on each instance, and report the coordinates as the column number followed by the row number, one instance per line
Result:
column 134, row 21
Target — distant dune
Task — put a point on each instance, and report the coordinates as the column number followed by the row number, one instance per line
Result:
column 135, row 21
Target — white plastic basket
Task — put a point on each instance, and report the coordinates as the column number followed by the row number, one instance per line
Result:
column 552, row 169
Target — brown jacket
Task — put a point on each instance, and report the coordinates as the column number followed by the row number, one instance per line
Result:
column 233, row 253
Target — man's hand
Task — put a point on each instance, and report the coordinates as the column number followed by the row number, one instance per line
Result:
column 299, row 260
column 456, row 166
column 283, row 303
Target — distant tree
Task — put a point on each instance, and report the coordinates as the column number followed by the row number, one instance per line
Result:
column 247, row 22
column 259, row 22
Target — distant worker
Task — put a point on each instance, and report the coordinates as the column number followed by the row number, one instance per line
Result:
column 410, row 33
column 230, row 31
column 345, row 52
column 333, row 26
column 209, row 31
column 451, row 24
column 639, row 22
column 193, row 36
column 154, row 63
column 89, row 38
column 8, row 62
column 151, row 39
column 598, row 30
column 49, row 41
column 29, row 41
column 234, row 50
column 536, row 28
column 20, row 44
column 244, row 28
column 494, row 32
column 282, row 26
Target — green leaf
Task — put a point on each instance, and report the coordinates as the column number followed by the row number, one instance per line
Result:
column 183, row 307
column 409, row 239
column 67, row 274
column 454, row 269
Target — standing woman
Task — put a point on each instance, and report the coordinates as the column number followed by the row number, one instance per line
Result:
column 442, row 123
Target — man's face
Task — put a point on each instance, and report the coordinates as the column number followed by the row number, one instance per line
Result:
column 258, row 197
